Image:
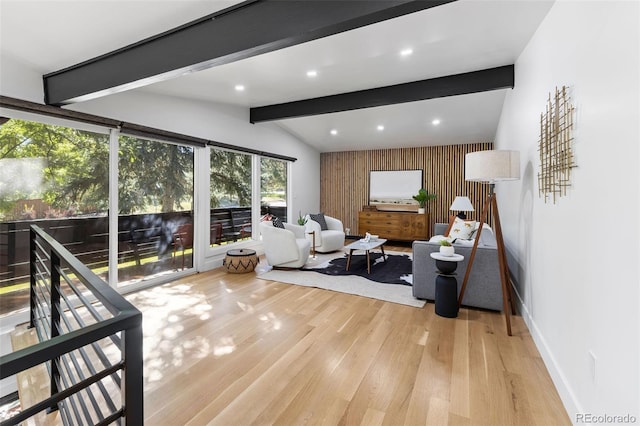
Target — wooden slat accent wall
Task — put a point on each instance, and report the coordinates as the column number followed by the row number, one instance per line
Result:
column 344, row 178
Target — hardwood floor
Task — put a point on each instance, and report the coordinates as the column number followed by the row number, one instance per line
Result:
column 232, row 349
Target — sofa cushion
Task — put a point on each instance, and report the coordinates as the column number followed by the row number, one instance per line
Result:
column 320, row 219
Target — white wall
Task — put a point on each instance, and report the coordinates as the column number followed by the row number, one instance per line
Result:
column 578, row 258
column 20, row 80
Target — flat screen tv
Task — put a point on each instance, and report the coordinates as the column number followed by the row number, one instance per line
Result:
column 394, row 189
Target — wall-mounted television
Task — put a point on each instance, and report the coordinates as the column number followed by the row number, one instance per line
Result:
column 394, row 189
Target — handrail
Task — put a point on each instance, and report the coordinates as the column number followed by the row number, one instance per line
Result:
column 61, row 342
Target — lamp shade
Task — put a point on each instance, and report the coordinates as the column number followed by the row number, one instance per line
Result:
column 462, row 204
column 492, row 166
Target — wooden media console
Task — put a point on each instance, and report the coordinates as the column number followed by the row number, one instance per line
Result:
column 395, row 225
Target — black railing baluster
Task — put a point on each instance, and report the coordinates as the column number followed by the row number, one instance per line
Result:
column 32, row 286
column 133, row 387
column 55, row 321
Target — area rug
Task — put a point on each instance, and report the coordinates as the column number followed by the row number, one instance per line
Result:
column 394, row 269
column 326, row 271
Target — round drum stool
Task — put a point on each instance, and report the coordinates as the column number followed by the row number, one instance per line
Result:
column 240, row 261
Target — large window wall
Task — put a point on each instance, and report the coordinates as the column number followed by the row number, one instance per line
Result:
column 61, row 174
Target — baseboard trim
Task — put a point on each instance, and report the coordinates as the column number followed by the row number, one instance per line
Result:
column 567, row 395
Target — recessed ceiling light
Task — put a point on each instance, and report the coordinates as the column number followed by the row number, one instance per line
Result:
column 436, row 122
column 333, row 132
column 380, row 127
column 239, row 88
column 312, row 73
column 406, row 52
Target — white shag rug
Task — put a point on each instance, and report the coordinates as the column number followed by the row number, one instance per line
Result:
column 351, row 284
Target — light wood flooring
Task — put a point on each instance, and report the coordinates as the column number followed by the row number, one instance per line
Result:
column 232, row 349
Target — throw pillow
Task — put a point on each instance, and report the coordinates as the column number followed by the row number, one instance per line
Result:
column 320, row 219
column 462, row 229
column 451, row 219
column 277, row 222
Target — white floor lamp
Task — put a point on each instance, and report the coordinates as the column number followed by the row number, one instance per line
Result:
column 491, row 167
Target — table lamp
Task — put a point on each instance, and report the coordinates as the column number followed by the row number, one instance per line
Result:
column 461, row 205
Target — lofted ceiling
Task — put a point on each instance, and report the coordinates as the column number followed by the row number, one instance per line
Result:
column 458, row 37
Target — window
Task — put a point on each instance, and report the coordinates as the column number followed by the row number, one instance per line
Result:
column 230, row 197
column 155, row 202
column 273, row 187
column 57, row 178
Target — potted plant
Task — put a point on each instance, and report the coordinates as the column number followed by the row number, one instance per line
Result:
column 302, row 220
column 422, row 197
column 446, row 249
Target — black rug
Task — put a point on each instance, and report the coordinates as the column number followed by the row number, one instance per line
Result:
column 390, row 271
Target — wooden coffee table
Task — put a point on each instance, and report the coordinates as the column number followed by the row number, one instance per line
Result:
column 361, row 245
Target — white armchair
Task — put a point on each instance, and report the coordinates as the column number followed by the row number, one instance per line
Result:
column 331, row 239
column 285, row 248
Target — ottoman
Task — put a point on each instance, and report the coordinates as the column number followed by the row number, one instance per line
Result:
column 240, row 261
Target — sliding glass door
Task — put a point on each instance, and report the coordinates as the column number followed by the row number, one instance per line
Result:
column 155, row 203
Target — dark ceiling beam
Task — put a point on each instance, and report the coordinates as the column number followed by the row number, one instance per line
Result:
column 452, row 85
column 241, row 31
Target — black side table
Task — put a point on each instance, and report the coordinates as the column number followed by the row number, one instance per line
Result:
column 446, row 284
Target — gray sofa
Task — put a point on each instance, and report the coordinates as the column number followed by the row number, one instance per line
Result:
column 484, row 287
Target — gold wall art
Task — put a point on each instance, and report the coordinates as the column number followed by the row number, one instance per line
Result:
column 555, row 146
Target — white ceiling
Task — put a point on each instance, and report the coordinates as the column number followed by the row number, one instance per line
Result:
column 466, row 35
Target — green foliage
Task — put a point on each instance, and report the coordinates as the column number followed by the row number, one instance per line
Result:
column 445, row 243
column 230, row 179
column 73, row 171
column 423, row 196
column 273, row 175
column 68, row 169
column 154, row 174
column 302, row 220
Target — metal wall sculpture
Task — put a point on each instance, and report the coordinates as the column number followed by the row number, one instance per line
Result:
column 555, row 146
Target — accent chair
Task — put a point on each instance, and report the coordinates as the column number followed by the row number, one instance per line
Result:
column 285, row 248
column 329, row 239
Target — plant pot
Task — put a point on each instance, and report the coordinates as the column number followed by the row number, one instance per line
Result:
column 421, row 210
column 447, row 250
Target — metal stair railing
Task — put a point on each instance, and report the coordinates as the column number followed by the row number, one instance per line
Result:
column 90, row 340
